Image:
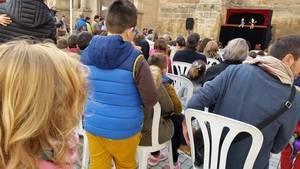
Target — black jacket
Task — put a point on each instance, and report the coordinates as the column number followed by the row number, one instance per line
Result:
column 215, row 70
column 29, row 17
column 188, row 56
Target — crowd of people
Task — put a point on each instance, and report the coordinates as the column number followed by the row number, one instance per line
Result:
column 109, row 76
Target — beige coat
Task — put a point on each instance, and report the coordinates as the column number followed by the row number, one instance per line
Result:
column 166, row 129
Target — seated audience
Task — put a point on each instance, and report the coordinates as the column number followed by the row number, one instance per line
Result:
column 180, row 45
column 211, row 50
column 196, row 76
column 176, row 116
column 234, row 53
column 189, row 54
column 166, row 129
column 202, row 44
column 257, row 89
column 161, row 46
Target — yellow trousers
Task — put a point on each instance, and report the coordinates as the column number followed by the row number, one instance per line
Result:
column 103, row 151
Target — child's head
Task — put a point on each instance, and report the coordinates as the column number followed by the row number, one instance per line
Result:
column 158, row 60
column 197, row 70
column 62, row 43
column 211, row 49
column 156, row 74
column 84, row 39
column 73, row 41
column 43, row 91
column 161, row 46
column 121, row 18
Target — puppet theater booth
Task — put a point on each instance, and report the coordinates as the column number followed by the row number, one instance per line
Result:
column 258, row 36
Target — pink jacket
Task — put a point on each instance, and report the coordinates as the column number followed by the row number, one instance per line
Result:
column 43, row 164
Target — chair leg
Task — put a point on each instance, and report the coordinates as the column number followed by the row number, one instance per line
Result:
column 85, row 156
column 170, row 155
column 143, row 159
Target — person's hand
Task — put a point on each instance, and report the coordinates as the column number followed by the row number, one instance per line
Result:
column 4, row 20
column 185, row 132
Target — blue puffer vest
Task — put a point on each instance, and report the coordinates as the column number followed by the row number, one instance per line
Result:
column 114, row 108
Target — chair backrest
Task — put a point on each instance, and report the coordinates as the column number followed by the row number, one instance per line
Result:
column 217, row 123
column 211, row 62
column 155, row 124
column 182, row 68
column 181, row 82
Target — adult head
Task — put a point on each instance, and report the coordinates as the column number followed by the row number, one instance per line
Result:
column 180, row 42
column 236, row 50
column 287, row 49
column 88, row 19
column 97, row 18
column 121, row 19
column 192, row 41
column 35, row 115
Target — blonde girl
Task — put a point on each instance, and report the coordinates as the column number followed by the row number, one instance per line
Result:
column 42, row 94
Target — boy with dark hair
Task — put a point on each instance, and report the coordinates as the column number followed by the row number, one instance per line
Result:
column 121, row 84
column 73, row 44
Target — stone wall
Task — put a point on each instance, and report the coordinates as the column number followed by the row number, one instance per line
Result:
column 207, row 15
column 169, row 16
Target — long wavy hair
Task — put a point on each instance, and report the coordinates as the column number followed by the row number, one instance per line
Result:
column 42, row 95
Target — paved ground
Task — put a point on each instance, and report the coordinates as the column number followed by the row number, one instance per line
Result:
column 186, row 163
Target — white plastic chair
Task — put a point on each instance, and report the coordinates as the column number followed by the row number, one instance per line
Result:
column 182, row 68
column 85, row 147
column 144, row 151
column 217, row 123
column 211, row 62
column 181, row 83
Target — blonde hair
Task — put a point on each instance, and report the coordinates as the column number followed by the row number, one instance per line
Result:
column 42, row 95
column 156, row 74
column 211, row 49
